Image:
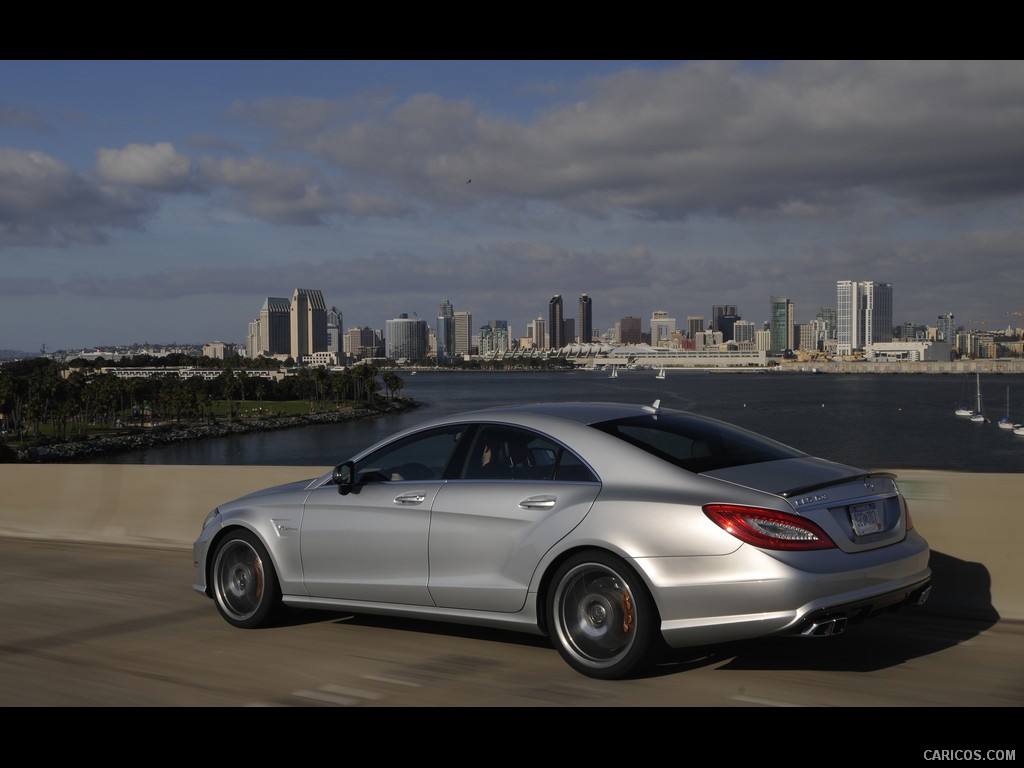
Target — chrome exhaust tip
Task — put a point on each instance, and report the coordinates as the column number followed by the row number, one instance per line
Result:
column 826, row 628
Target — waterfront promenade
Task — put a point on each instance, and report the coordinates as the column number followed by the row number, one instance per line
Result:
column 1001, row 365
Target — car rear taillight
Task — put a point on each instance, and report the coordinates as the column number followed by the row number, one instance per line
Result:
column 767, row 528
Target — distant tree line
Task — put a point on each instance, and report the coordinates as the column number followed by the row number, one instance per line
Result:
column 70, row 397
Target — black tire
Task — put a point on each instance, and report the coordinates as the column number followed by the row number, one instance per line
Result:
column 601, row 617
column 245, row 585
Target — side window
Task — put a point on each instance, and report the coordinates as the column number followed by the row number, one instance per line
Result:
column 503, row 453
column 419, row 457
column 572, row 469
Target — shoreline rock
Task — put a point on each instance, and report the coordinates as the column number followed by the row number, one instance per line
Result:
column 166, row 434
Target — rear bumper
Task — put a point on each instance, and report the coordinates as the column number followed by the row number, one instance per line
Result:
column 834, row 619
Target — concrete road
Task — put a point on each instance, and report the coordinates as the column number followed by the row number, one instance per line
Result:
column 101, row 625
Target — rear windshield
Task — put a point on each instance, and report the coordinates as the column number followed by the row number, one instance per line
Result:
column 695, row 443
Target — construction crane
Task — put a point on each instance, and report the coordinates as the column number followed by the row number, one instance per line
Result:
column 1020, row 332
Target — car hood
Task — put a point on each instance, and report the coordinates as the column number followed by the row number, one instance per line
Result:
column 298, row 485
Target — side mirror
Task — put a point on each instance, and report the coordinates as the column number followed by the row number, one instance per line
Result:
column 342, row 477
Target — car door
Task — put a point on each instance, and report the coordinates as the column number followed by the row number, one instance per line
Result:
column 489, row 531
column 371, row 544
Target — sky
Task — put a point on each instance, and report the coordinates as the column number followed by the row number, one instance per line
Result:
column 161, row 202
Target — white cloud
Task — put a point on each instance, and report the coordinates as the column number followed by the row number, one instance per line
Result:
column 150, row 166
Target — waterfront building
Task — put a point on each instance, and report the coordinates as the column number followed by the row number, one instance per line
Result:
column 556, row 322
column 763, row 340
column 405, row 339
column 915, row 351
column 863, row 315
column 586, row 318
column 308, row 323
column 780, row 324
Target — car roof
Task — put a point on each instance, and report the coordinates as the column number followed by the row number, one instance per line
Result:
column 580, row 412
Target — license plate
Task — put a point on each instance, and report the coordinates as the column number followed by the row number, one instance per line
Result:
column 866, row 519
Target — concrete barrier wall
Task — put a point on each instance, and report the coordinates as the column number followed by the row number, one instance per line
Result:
column 973, row 522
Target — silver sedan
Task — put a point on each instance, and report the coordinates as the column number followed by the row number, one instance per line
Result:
column 617, row 531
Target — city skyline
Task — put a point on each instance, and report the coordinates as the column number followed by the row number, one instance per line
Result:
column 161, row 199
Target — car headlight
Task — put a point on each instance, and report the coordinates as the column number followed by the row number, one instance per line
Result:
column 210, row 518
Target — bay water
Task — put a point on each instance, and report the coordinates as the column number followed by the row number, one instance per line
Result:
column 874, row 421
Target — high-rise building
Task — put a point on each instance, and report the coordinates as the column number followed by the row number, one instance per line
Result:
column 362, row 343
column 630, row 331
column 725, row 324
column 694, row 325
column 405, row 338
column 273, row 334
column 717, row 312
column 494, row 337
column 945, row 328
column 463, row 333
column 744, row 333
column 334, row 326
column 540, row 334
column 586, row 318
column 308, row 323
column 445, row 333
column 662, row 328
column 863, row 315
column 780, row 323
column 556, row 324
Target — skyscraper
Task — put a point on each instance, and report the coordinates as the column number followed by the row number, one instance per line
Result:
column 694, row 325
column 556, row 326
column 586, row 319
column 274, row 327
column 463, row 333
column 780, row 324
column 863, row 315
column 308, row 323
column 945, row 328
column 717, row 312
column 540, row 334
column 405, row 338
column 630, row 331
column 334, row 333
column 445, row 332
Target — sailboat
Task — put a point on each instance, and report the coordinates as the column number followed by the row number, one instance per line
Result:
column 1006, row 422
column 661, row 373
column 979, row 411
column 964, row 410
